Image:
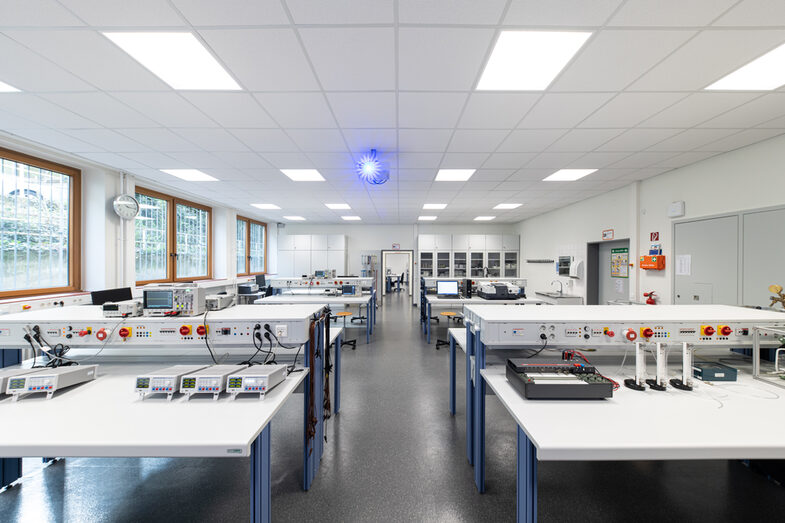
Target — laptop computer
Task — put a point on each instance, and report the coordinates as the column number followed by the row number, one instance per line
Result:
column 447, row 289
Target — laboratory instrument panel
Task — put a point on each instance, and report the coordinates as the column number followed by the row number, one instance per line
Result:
column 322, row 283
column 49, row 380
column 122, row 309
column 564, row 381
column 430, row 283
column 499, row 291
column 211, row 380
column 12, row 372
column 257, row 379
column 173, row 299
column 620, row 325
column 217, row 302
column 164, row 381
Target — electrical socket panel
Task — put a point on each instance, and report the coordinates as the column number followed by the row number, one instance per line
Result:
column 282, row 331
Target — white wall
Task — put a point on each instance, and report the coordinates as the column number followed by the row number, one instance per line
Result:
column 747, row 178
column 398, row 263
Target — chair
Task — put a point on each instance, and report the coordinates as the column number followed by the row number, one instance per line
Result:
column 449, row 315
column 344, row 315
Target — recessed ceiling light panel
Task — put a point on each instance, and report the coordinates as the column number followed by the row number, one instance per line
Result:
column 337, row 206
column 294, row 218
column 5, row 88
column 265, row 206
column 434, row 206
column 454, row 175
column 484, row 218
column 507, row 206
column 426, row 218
column 190, row 175
column 351, row 218
column 303, row 175
column 762, row 74
column 568, row 175
column 179, row 59
column 529, row 60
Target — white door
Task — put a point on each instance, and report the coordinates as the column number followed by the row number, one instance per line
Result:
column 302, row 242
column 337, row 260
column 319, row 261
column 302, row 263
column 318, row 242
column 285, row 263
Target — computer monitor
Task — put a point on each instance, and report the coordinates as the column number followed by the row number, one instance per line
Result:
column 348, row 290
column 318, row 274
column 260, row 281
column 447, row 288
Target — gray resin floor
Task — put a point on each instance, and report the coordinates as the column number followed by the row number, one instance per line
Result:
column 393, row 454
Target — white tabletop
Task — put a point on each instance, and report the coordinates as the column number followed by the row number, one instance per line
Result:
column 106, row 418
column 314, row 298
column 433, row 299
column 733, row 420
column 460, row 336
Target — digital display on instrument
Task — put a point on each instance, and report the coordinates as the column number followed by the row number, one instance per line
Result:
column 18, row 383
column 189, row 383
column 158, row 299
column 347, row 290
column 447, row 288
column 142, row 383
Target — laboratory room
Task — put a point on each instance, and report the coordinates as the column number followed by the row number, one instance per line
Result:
column 392, row 260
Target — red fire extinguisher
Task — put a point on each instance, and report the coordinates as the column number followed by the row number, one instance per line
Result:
column 650, row 298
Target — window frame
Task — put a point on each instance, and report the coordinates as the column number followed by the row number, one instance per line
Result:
column 74, row 223
column 248, row 222
column 171, row 236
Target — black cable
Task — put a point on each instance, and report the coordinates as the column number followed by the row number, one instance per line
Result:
column 29, row 340
column 290, row 347
column 544, row 346
column 259, row 348
column 206, row 332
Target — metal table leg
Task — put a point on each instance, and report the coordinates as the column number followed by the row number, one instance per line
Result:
column 368, row 321
column 428, row 322
column 338, row 341
column 526, row 510
column 260, row 478
column 452, row 376
column 479, row 414
column 10, row 468
column 469, row 396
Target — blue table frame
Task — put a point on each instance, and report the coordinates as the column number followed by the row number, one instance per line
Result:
column 10, row 468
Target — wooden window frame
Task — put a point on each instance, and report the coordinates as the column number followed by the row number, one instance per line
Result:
column 171, row 236
column 248, row 222
column 74, row 223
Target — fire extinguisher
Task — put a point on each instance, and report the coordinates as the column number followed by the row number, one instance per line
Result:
column 650, row 298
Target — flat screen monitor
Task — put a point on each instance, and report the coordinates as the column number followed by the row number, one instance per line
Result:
column 158, row 299
column 318, row 274
column 347, row 290
column 260, row 281
column 447, row 288
column 101, row 297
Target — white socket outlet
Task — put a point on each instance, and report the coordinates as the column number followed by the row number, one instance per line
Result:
column 281, row 331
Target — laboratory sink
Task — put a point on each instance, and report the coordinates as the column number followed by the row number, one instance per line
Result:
column 551, row 294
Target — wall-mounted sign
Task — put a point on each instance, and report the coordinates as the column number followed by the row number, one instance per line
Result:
column 655, row 237
column 620, row 263
column 607, row 234
column 396, row 246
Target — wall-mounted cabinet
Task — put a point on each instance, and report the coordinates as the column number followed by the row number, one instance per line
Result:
column 443, row 264
column 434, row 242
column 510, row 264
column 511, row 242
column 469, row 255
column 459, row 264
column 426, row 264
column 476, row 242
column 494, row 264
column 477, row 261
column 300, row 254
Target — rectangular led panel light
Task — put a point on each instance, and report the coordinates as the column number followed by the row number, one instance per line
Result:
column 351, row 218
column 294, row 218
column 5, row 88
column 303, row 175
column 179, row 59
column 265, row 206
column 529, row 60
column 484, row 218
column 426, row 218
column 454, row 175
column 762, row 74
column 190, row 175
column 436, row 206
column 568, row 175
column 507, row 206
column 337, row 206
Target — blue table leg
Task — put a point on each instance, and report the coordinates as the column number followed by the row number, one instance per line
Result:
column 469, row 396
column 307, row 444
column 527, row 479
column 368, row 323
column 428, row 321
column 10, row 468
column 260, row 478
column 452, row 376
column 338, row 342
column 479, row 414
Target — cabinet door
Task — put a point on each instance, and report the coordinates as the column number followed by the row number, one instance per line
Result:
column 477, row 260
column 285, row 242
column 459, row 265
column 476, row 242
column 337, row 260
column 510, row 264
column 336, row 242
column 302, row 242
column 426, row 264
column 511, row 242
column 494, row 264
column 493, row 242
column 443, row 242
column 285, row 263
column 302, row 263
column 443, row 264
column 426, row 242
column 460, row 242
column 318, row 242
column 319, row 261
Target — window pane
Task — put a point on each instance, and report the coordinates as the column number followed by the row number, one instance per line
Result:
column 241, row 232
column 257, row 247
column 192, row 241
column 151, row 231
column 34, row 227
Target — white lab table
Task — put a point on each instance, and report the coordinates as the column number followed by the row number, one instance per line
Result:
column 670, row 425
column 106, row 418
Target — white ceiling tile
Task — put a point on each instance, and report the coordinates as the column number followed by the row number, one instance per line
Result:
column 168, row 109
column 429, row 110
column 318, row 140
column 496, row 110
column 638, row 139
column 468, row 12
column 212, row 139
column 43, row 112
column 707, row 58
column 629, row 109
column 363, row 140
column 419, row 160
column 57, row 140
column 159, row 139
column 364, row 110
column 669, row 12
column 342, row 57
column 751, row 114
column 231, row 109
column 298, row 110
column 36, row 13
column 583, row 139
column 463, row 160
column 29, row 72
column 120, row 13
column 530, row 140
column 233, row 12
column 612, row 59
column 9, row 122
column 418, row 175
column 423, row 140
column 563, row 110
column 697, row 108
column 686, row 158
column 754, row 13
column 343, row 161
column 341, row 11
column 643, row 159
column 198, row 160
column 276, row 63
column 242, row 160
column 492, row 175
column 288, row 160
column 434, row 59
column 742, row 139
column 692, row 139
column 265, row 140
column 157, row 161
column 560, row 12
column 508, row 160
column 116, row 161
column 554, row 160
column 101, row 108
column 109, row 140
column 476, row 141
column 597, row 160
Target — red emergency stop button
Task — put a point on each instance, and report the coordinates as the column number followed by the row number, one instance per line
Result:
column 201, row 330
column 610, row 334
column 726, row 330
column 185, row 330
column 124, row 332
column 631, row 335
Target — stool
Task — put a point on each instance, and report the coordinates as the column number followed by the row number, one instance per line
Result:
column 449, row 315
column 344, row 315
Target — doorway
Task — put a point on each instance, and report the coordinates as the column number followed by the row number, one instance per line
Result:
column 398, row 266
column 608, row 272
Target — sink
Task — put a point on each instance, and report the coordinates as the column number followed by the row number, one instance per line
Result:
column 551, row 294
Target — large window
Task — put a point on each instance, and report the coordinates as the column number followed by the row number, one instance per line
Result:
column 173, row 239
column 251, row 247
column 39, row 226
